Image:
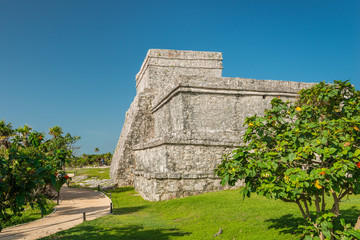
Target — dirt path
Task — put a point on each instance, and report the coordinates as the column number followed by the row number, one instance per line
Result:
column 69, row 213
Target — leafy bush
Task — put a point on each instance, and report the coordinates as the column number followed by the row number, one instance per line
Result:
column 28, row 163
column 299, row 152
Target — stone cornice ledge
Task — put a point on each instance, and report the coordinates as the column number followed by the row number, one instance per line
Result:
column 228, row 86
column 181, row 141
column 177, row 176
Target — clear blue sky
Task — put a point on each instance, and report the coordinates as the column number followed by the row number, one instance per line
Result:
column 73, row 63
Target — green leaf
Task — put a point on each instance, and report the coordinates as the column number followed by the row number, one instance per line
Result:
column 357, row 153
column 354, row 233
column 293, row 178
column 288, row 171
column 245, row 193
column 327, row 233
column 226, row 178
column 274, row 165
column 248, row 131
column 292, row 156
column 53, row 180
column 342, row 221
column 308, row 237
column 324, row 225
column 262, row 165
column 332, row 150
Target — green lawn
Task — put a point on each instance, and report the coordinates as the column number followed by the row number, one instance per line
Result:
column 198, row 217
column 28, row 215
column 100, row 173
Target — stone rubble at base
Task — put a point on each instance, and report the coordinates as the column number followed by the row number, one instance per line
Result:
column 184, row 117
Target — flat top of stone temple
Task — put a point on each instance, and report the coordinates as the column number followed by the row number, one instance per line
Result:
column 182, row 54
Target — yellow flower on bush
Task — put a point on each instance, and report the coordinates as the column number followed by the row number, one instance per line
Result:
column 298, row 109
column 286, row 178
column 251, row 124
column 266, row 175
column 317, row 185
column 356, row 128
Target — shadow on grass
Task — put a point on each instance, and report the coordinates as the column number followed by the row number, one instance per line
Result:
column 289, row 224
column 129, row 232
column 127, row 210
column 286, row 223
column 122, row 189
column 350, row 215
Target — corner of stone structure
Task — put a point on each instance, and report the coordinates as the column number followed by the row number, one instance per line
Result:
column 161, row 66
column 184, row 117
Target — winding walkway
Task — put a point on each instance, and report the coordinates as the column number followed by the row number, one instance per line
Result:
column 69, row 213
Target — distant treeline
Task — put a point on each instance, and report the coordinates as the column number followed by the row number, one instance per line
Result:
column 91, row 159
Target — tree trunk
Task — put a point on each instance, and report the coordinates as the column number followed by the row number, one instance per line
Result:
column 307, row 209
column 335, row 209
column 58, row 197
column 301, row 209
column 323, row 201
column 317, row 203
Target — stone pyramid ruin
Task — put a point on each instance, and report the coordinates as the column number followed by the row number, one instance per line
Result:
column 184, row 117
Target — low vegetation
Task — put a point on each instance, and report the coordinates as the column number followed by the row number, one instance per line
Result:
column 198, row 217
column 30, row 215
column 90, row 172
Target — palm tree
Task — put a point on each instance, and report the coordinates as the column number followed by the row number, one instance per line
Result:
column 24, row 132
column 55, row 131
column 6, row 131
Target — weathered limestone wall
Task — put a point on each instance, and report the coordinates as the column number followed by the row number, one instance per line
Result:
column 138, row 127
column 160, row 67
column 158, row 189
column 184, row 118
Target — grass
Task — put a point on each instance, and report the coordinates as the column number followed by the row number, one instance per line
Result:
column 198, row 217
column 100, row 173
column 28, row 215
